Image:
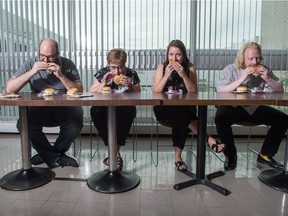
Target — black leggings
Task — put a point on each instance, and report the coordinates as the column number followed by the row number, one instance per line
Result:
column 179, row 117
column 226, row 116
column 124, row 118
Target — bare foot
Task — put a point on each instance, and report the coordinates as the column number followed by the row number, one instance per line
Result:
column 215, row 145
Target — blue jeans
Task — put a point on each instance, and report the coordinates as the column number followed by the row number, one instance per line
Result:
column 70, row 120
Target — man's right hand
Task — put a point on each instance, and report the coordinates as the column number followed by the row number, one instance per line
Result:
column 40, row 65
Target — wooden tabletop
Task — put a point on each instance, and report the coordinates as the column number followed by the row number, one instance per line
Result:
column 209, row 98
column 92, row 99
column 149, row 98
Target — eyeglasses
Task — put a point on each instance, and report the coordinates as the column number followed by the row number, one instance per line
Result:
column 117, row 68
column 49, row 58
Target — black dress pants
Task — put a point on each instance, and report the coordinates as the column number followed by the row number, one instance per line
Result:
column 179, row 117
column 124, row 118
column 226, row 116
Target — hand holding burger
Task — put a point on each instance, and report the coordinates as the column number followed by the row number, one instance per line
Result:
column 256, row 70
column 118, row 79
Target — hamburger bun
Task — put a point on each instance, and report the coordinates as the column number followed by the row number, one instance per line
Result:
column 106, row 89
column 173, row 61
column 117, row 78
column 49, row 71
column 256, row 70
column 49, row 91
column 72, row 91
column 242, row 89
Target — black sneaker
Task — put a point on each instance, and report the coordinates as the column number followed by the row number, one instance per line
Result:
column 230, row 163
column 270, row 162
column 36, row 160
column 66, row 160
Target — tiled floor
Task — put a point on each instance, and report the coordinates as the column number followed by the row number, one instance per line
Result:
column 155, row 194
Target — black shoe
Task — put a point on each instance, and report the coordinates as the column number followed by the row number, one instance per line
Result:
column 36, row 160
column 270, row 162
column 66, row 160
column 230, row 163
column 53, row 165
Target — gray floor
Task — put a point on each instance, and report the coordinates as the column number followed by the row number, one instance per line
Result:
column 155, row 194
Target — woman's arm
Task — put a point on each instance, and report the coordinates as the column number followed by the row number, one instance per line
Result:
column 97, row 86
column 191, row 81
column 159, row 80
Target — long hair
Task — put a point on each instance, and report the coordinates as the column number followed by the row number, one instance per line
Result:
column 240, row 59
column 179, row 44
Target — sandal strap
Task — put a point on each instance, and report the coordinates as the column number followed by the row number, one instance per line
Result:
column 119, row 163
column 106, row 161
column 180, row 164
column 215, row 146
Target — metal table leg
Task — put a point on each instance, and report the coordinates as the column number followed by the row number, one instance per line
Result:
column 200, row 177
column 112, row 180
column 28, row 177
column 277, row 178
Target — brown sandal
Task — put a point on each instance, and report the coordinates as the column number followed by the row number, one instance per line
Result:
column 119, row 162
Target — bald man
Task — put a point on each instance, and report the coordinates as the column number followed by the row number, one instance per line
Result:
column 50, row 70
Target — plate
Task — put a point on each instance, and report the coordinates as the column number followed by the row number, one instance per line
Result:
column 78, row 95
column 174, row 92
column 236, row 92
column 9, row 95
column 107, row 92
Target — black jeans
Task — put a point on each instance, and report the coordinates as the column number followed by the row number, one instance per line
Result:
column 124, row 118
column 226, row 116
column 179, row 117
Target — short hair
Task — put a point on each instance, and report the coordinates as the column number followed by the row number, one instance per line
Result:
column 117, row 55
column 240, row 58
column 179, row 44
column 54, row 44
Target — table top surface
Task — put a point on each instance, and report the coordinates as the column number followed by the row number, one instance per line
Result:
column 148, row 98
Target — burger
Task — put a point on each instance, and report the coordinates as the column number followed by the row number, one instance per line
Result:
column 48, row 91
column 49, row 71
column 72, row 92
column 242, row 89
column 106, row 89
column 256, row 70
column 117, row 78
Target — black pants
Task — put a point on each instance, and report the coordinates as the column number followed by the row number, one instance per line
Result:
column 226, row 116
column 70, row 120
column 124, row 118
column 179, row 117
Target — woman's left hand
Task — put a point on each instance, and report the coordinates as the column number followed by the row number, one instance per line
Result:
column 126, row 81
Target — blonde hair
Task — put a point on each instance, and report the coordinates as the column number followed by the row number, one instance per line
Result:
column 117, row 55
column 240, row 58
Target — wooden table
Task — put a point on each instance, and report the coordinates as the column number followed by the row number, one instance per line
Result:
column 106, row 181
column 278, row 178
column 202, row 100
column 113, row 181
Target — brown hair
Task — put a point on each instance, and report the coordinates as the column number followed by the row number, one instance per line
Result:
column 240, row 59
column 117, row 55
column 179, row 44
